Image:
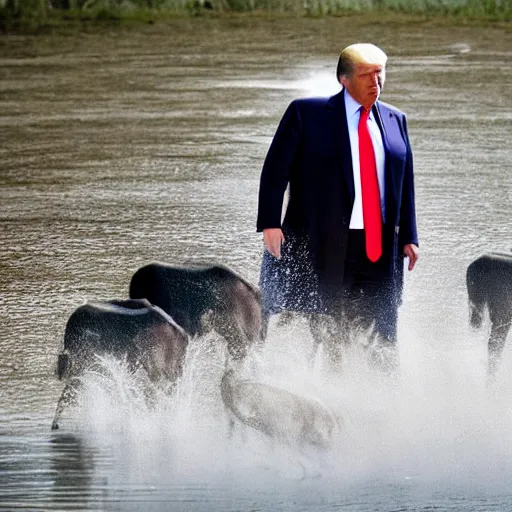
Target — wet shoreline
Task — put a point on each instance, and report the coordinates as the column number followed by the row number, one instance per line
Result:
column 57, row 22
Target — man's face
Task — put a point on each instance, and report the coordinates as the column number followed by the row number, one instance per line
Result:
column 365, row 83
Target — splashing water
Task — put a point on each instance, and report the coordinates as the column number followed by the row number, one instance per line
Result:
column 428, row 425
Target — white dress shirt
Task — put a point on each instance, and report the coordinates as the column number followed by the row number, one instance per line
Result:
column 353, row 113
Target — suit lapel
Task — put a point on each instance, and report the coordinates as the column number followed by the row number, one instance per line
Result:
column 338, row 117
column 380, row 117
column 386, row 121
column 376, row 109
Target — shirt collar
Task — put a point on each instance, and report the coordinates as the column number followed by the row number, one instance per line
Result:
column 352, row 106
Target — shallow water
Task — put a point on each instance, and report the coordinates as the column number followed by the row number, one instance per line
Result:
column 124, row 147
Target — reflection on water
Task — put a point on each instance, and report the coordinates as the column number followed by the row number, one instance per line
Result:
column 122, row 148
column 73, row 466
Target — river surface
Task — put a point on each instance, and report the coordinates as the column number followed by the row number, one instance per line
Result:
column 120, row 147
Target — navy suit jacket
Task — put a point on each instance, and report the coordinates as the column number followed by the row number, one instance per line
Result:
column 311, row 152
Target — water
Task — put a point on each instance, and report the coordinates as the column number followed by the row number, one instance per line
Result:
column 124, row 147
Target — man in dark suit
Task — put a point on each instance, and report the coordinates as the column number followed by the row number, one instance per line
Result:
column 350, row 218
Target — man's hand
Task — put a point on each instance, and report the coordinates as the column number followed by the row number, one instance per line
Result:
column 412, row 252
column 273, row 238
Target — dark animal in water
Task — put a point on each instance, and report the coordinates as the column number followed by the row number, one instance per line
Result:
column 204, row 299
column 135, row 329
column 278, row 413
column 489, row 284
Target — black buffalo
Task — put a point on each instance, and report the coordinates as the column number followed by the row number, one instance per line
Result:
column 204, row 299
column 489, row 283
column 132, row 329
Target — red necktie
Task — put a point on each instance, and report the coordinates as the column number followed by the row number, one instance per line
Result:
column 372, row 214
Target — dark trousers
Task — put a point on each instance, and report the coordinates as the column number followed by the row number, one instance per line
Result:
column 368, row 297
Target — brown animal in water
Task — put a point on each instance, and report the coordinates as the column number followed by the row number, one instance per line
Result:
column 135, row 329
column 204, row 299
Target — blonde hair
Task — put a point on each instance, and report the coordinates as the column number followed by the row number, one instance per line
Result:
column 359, row 53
